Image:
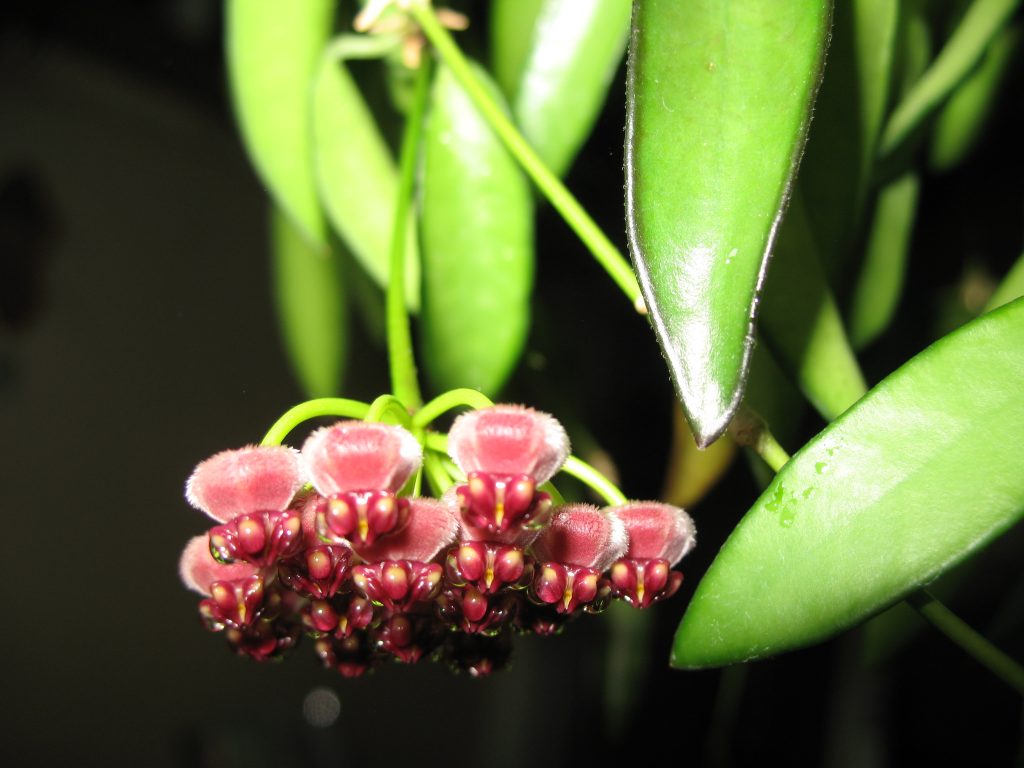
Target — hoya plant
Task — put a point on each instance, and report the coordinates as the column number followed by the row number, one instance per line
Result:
column 775, row 158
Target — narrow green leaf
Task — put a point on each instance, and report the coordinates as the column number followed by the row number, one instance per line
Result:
column 917, row 475
column 310, row 303
column 848, row 114
column 477, row 230
column 1011, row 288
column 876, row 294
column 512, row 25
column 963, row 118
column 961, row 53
column 575, row 49
column 801, row 323
column 272, row 54
column 356, row 174
column 719, row 99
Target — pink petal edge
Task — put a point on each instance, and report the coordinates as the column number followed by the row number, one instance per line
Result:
column 360, row 456
column 250, row 479
column 583, row 535
column 431, row 527
column 509, row 439
column 199, row 570
column 657, row 530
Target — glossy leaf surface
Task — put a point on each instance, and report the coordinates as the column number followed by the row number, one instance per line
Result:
column 356, row 175
column 575, row 47
column 1011, row 287
column 920, row 473
column 311, row 303
column 512, row 25
column 718, row 105
column 272, row 54
column 477, row 231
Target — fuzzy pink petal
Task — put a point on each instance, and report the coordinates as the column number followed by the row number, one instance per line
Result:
column 252, row 479
column 199, row 570
column 657, row 531
column 432, row 526
column 583, row 535
column 360, row 456
column 509, row 440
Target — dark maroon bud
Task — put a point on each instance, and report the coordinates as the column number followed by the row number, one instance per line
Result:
column 398, row 585
column 351, row 656
column 488, row 566
column 264, row 640
column 643, row 582
column 319, row 572
column 259, row 538
column 566, row 587
column 360, row 517
column 478, row 655
column 232, row 604
column 500, row 503
column 408, row 637
column 469, row 610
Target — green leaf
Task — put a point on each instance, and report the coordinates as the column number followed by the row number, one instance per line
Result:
column 719, row 99
column 917, row 475
column 512, row 25
column 272, row 54
column 848, row 114
column 1010, row 288
column 311, row 307
column 961, row 122
column 876, row 294
column 575, row 47
column 356, row 173
column 961, row 53
column 477, row 230
column 801, row 323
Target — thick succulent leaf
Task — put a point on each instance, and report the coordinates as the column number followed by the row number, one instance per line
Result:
column 980, row 25
column 272, row 54
column 512, row 25
column 1010, row 288
column 848, row 114
column 311, row 307
column 477, row 231
column 801, row 323
column 575, row 49
column 356, row 175
column 718, row 105
column 917, row 475
column 962, row 120
column 879, row 286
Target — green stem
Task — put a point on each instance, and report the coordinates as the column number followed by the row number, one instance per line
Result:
column 437, row 474
column 997, row 662
column 586, row 474
column 400, row 356
column 557, row 499
column 389, row 410
column 311, row 409
column 451, row 399
column 749, row 429
column 550, row 185
column 943, row 619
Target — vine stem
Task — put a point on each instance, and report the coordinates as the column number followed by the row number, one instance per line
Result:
column 752, row 431
column 401, row 361
column 606, row 254
column 957, row 630
column 446, row 402
column 585, row 473
column 311, row 409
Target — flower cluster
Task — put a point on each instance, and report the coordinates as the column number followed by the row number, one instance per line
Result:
column 322, row 543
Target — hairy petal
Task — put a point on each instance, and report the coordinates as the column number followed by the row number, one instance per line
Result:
column 358, row 456
column 251, row 479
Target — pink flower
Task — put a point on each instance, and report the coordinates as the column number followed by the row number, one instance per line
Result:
column 659, row 536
